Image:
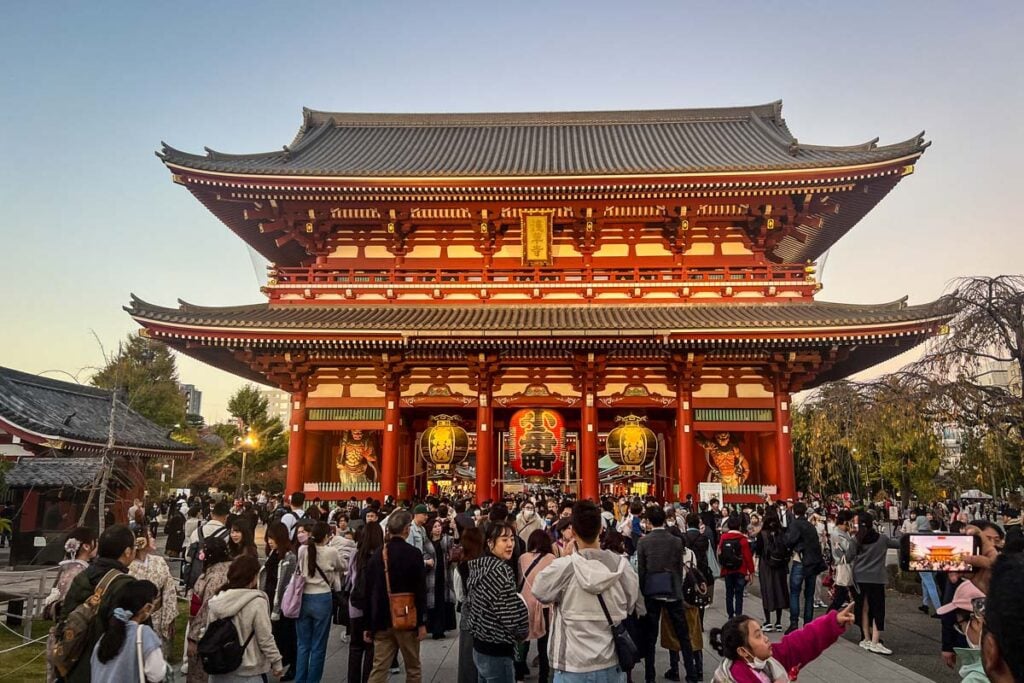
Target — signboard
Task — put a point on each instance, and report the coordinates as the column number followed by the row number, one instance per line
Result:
column 769, row 490
column 706, row 490
column 536, row 227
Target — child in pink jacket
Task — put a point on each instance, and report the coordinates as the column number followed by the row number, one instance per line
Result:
column 749, row 657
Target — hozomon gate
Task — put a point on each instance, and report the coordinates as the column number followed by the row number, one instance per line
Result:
column 577, row 270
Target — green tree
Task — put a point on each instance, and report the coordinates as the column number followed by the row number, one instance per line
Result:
column 145, row 373
column 263, row 462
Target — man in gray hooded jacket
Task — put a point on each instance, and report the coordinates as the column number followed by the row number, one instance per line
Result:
column 580, row 639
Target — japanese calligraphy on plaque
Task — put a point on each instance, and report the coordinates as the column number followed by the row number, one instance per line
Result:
column 537, row 228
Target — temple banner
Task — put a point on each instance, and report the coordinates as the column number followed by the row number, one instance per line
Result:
column 537, row 442
column 536, row 227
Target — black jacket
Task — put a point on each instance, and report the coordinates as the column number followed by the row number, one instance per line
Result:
column 801, row 537
column 81, row 589
column 407, row 576
column 660, row 551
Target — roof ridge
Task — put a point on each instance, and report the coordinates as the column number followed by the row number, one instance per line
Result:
column 50, row 384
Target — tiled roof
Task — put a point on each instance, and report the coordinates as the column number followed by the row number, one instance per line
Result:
column 676, row 141
column 45, row 471
column 64, row 410
column 569, row 320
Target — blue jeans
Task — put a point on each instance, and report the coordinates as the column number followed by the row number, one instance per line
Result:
column 734, row 585
column 610, row 675
column 801, row 581
column 491, row 669
column 929, row 591
column 311, row 631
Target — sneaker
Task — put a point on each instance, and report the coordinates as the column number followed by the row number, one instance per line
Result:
column 671, row 675
column 923, row 609
column 778, row 627
column 879, row 649
column 866, row 644
column 767, row 628
column 818, row 604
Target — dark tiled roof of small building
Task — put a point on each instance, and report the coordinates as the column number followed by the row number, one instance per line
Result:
column 438, row 319
column 64, row 410
column 675, row 141
column 46, row 471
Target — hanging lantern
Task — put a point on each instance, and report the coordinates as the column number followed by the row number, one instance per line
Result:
column 444, row 444
column 537, row 437
column 632, row 444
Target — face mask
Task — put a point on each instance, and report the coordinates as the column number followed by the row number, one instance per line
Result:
column 758, row 664
column 670, row 522
column 528, row 514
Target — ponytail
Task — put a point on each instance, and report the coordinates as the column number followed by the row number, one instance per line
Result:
column 132, row 598
column 318, row 534
column 727, row 641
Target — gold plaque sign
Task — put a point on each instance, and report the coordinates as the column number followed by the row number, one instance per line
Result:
column 536, row 227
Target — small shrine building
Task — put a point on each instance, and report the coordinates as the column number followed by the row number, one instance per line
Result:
column 598, row 301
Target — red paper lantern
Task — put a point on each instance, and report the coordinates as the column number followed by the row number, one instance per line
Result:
column 537, row 438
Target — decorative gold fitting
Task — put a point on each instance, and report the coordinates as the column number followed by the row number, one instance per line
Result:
column 769, row 224
column 309, row 227
column 391, row 227
column 684, row 225
column 483, row 226
column 590, row 226
column 907, row 170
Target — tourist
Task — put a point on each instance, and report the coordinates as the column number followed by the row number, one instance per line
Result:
column 1002, row 640
column 967, row 610
column 563, row 537
column 440, row 596
column 498, row 616
column 360, row 652
column 773, row 573
column 240, row 539
column 700, row 543
column 242, row 600
column 115, row 658
column 149, row 566
column 175, row 530
column 539, row 554
column 404, row 568
column 839, row 542
column 79, row 548
column 277, row 573
column 320, row 567
column 579, row 638
column 737, row 562
column 868, row 552
column 471, row 546
column 527, row 521
column 217, row 526
column 660, row 559
column 115, row 551
column 215, row 574
column 192, row 521
column 417, row 532
column 802, row 539
column 749, row 657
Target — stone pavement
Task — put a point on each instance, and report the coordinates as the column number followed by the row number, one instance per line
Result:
column 844, row 662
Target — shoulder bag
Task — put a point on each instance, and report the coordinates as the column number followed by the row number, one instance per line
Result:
column 403, row 605
column 626, row 651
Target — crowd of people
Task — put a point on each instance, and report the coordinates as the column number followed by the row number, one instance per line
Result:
column 594, row 589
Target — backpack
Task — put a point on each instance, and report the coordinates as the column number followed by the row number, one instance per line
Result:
column 71, row 634
column 220, row 649
column 731, row 556
column 776, row 554
column 195, row 556
column 693, row 581
column 357, row 594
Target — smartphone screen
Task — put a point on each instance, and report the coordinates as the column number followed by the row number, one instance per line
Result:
column 941, row 552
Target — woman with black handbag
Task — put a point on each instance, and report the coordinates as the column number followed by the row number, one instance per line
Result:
column 369, row 540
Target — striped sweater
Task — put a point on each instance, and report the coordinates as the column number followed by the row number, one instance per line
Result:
column 497, row 613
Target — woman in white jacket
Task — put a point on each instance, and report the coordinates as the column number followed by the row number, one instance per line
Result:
column 241, row 599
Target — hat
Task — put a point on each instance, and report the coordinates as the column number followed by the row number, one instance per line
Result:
column 965, row 593
column 420, row 509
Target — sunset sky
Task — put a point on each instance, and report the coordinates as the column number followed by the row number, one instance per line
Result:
column 89, row 91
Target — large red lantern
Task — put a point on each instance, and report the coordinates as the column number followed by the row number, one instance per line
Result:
column 444, row 444
column 631, row 445
column 537, row 438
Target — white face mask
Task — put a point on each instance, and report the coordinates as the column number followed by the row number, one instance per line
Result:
column 528, row 514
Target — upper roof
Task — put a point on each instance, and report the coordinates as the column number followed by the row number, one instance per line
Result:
column 50, row 409
column 603, row 143
column 507, row 320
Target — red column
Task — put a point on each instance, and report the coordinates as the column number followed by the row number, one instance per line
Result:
column 590, row 487
column 684, row 444
column 783, row 446
column 485, row 487
column 389, row 448
column 296, row 443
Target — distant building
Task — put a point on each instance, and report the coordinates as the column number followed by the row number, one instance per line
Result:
column 279, row 404
column 193, row 399
column 1005, row 374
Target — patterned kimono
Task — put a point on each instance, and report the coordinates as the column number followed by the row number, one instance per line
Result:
column 69, row 569
column 154, row 568
column 211, row 581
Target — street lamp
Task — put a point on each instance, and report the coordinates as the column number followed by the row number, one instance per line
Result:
column 245, row 444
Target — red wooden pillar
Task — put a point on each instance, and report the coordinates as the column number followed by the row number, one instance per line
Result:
column 783, row 446
column 296, row 444
column 590, row 487
column 684, row 444
column 485, row 485
column 389, row 447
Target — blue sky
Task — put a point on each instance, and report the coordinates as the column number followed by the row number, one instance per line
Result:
column 89, row 90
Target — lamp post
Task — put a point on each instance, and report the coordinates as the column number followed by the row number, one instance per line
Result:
column 245, row 444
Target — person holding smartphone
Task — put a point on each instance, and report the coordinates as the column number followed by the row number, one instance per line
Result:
column 868, row 550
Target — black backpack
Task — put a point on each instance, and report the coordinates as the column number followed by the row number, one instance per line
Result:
column 731, row 556
column 193, row 569
column 776, row 554
column 220, row 649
